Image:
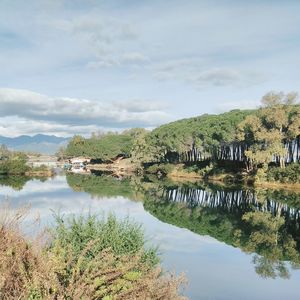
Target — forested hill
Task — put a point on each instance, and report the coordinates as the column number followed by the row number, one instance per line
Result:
column 252, row 137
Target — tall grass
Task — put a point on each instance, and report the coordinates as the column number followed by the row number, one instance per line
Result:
column 82, row 258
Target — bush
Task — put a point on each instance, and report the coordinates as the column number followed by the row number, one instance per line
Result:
column 42, row 168
column 121, row 237
column 206, row 171
column 13, row 166
column 80, row 261
column 162, row 169
column 290, row 174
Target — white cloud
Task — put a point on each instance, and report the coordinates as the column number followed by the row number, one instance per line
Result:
column 228, row 77
column 33, row 111
column 105, row 37
column 140, row 106
column 15, row 126
column 196, row 72
column 130, row 58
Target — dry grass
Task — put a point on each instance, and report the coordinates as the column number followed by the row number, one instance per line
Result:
column 33, row 270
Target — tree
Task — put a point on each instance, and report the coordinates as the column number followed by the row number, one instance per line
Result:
column 271, row 132
column 4, row 152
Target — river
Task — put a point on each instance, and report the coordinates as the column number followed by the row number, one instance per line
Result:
column 231, row 242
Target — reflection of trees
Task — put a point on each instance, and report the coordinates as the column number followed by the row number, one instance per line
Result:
column 15, row 182
column 256, row 222
column 260, row 222
column 232, row 200
column 266, row 234
column 105, row 186
column 270, row 268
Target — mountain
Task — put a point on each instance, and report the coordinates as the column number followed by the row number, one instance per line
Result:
column 46, row 144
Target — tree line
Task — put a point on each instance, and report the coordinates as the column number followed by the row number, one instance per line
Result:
column 256, row 138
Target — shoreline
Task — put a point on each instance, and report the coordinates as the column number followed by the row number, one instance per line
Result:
column 182, row 176
column 126, row 168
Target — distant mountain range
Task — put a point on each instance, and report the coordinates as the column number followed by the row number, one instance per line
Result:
column 41, row 143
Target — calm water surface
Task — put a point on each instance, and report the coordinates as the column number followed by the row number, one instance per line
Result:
column 221, row 238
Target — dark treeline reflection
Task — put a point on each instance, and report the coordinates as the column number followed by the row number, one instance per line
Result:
column 17, row 182
column 263, row 222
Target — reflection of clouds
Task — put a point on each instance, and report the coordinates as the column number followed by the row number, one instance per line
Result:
column 172, row 238
column 36, row 186
column 54, row 195
column 7, row 191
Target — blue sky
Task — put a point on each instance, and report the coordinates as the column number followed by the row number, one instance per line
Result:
column 81, row 66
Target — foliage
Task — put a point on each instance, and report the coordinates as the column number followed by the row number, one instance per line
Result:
column 290, row 174
column 162, row 169
column 205, row 133
column 4, row 152
column 15, row 164
column 74, row 264
column 122, row 237
column 104, row 186
column 266, row 236
column 237, row 219
column 16, row 182
column 241, row 143
column 106, row 147
column 272, row 130
column 251, row 139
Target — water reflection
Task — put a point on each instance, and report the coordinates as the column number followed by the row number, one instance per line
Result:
column 264, row 223
column 17, row 182
column 256, row 221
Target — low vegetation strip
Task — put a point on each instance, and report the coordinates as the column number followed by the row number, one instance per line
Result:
column 82, row 258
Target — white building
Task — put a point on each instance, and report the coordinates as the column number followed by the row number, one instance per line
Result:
column 43, row 160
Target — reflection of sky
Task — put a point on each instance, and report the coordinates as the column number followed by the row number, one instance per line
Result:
column 214, row 270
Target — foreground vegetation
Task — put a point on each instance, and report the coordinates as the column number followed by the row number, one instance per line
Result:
column 82, row 258
column 250, row 144
column 14, row 164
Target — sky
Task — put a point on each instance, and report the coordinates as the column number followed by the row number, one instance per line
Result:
column 80, row 66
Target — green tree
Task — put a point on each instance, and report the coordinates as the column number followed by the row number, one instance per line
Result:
column 271, row 131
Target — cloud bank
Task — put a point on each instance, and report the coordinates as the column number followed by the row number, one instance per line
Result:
column 29, row 111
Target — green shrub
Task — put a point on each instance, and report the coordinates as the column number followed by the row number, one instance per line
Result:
column 290, row 174
column 162, row 169
column 84, row 258
column 41, row 168
column 122, row 237
column 13, row 166
column 206, row 171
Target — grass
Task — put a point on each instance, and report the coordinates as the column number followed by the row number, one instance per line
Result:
column 81, row 258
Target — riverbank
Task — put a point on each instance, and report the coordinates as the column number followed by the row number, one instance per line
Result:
column 241, row 178
column 40, row 173
column 17, row 164
column 223, row 174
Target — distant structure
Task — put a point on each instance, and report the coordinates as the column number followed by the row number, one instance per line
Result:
column 80, row 160
column 43, row 160
column 79, row 165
